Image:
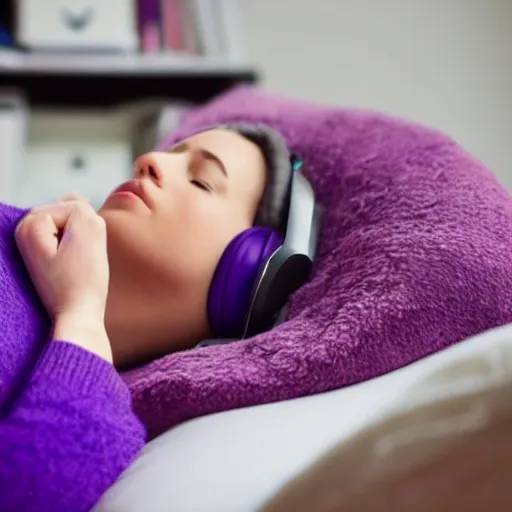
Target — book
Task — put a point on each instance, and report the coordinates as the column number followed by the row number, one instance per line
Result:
column 189, row 26
column 171, row 14
column 150, row 34
column 5, row 37
column 208, row 27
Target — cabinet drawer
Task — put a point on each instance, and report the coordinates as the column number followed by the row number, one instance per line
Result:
column 89, row 154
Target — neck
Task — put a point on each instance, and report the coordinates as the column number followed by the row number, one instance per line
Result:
column 146, row 320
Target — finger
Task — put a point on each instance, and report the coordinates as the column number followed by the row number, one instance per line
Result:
column 42, row 229
column 59, row 212
column 69, row 221
column 37, row 237
column 81, row 222
column 45, row 229
column 83, row 208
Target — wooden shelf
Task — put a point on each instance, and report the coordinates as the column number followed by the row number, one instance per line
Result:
column 83, row 79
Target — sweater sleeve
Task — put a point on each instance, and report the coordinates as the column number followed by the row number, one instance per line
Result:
column 69, row 435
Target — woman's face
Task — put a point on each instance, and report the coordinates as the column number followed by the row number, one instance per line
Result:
column 167, row 229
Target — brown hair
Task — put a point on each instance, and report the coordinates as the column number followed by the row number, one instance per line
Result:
column 273, row 208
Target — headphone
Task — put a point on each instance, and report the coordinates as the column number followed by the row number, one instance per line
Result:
column 261, row 268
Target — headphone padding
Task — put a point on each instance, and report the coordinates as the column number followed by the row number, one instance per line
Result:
column 234, row 279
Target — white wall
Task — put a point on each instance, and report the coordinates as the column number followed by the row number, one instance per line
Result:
column 447, row 63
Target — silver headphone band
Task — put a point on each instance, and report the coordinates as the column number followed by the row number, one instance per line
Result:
column 294, row 257
column 302, row 226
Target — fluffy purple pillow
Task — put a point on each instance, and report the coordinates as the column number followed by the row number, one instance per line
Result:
column 414, row 256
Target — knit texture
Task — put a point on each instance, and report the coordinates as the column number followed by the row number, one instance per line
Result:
column 23, row 324
column 414, row 256
column 67, row 429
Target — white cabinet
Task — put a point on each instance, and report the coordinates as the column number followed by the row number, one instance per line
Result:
column 86, row 153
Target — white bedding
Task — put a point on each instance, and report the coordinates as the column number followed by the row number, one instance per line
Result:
column 236, row 460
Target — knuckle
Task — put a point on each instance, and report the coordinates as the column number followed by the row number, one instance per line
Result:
column 79, row 205
column 80, row 211
column 83, row 207
column 27, row 226
column 30, row 220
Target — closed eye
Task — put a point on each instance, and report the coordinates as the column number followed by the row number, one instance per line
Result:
column 202, row 185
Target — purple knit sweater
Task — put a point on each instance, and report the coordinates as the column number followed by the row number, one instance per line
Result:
column 67, row 429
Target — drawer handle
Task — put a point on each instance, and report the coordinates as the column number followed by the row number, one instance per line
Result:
column 78, row 163
column 77, row 20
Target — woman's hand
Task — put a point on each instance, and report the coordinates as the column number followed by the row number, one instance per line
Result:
column 64, row 247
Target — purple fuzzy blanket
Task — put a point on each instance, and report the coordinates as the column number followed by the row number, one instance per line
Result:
column 414, row 255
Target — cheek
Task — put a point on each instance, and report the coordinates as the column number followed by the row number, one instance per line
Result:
column 196, row 216
column 193, row 232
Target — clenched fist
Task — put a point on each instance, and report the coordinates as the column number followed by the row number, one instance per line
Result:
column 64, row 247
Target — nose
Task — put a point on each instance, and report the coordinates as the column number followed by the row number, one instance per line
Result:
column 146, row 166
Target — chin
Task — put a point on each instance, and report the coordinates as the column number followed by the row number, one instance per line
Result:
column 122, row 231
column 113, row 215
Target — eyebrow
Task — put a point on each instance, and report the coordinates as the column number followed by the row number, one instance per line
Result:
column 184, row 146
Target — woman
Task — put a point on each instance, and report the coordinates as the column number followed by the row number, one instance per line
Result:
column 119, row 287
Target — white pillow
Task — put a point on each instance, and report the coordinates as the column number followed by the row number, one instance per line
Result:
column 236, row 460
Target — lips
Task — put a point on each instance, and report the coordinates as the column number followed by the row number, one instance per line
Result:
column 134, row 187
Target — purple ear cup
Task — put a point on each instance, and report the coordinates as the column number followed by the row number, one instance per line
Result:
column 234, row 279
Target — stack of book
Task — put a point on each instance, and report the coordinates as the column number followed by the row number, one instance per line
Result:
column 204, row 27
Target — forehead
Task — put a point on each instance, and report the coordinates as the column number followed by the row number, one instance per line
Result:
column 221, row 139
column 240, row 155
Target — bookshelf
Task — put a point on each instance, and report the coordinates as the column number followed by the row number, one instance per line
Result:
column 91, row 78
